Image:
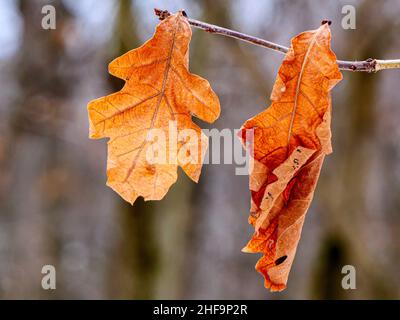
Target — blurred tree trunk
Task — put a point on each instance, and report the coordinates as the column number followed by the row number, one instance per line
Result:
column 216, row 235
column 34, row 162
column 135, row 256
column 345, row 179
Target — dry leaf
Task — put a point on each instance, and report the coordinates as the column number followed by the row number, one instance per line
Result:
column 291, row 139
column 158, row 89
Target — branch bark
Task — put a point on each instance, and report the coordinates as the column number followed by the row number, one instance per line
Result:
column 369, row 65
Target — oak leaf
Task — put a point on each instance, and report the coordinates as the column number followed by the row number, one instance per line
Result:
column 289, row 144
column 159, row 90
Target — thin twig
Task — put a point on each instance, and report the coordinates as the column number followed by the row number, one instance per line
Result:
column 369, row 65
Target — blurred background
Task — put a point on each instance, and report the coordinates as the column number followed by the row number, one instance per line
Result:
column 56, row 209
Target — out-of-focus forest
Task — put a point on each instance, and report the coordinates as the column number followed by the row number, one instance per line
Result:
column 56, row 209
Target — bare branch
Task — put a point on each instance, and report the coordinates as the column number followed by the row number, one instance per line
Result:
column 369, row 65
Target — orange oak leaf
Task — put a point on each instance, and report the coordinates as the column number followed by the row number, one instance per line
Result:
column 159, row 94
column 289, row 144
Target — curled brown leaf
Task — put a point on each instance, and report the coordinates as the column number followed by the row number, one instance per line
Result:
column 291, row 139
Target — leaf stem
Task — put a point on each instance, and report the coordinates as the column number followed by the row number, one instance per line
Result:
column 369, row 65
column 387, row 64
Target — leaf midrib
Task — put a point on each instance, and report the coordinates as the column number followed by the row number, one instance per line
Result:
column 298, row 84
column 160, row 96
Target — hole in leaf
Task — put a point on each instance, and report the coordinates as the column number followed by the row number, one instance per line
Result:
column 280, row 260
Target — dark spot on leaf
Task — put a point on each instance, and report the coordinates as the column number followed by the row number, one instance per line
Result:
column 151, row 169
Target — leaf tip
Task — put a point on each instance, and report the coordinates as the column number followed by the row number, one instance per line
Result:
column 246, row 250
